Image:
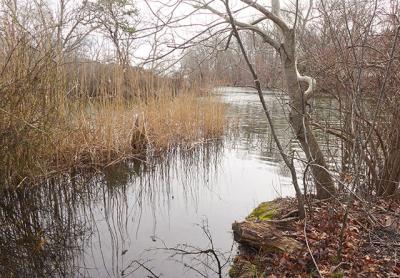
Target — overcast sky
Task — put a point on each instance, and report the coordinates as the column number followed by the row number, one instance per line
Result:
column 153, row 13
column 181, row 31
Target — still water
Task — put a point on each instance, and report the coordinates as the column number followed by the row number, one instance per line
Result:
column 118, row 223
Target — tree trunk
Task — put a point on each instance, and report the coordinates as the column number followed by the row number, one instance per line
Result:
column 299, row 121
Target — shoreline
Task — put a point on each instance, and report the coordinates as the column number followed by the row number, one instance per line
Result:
column 275, row 243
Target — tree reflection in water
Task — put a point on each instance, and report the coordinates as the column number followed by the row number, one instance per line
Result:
column 53, row 229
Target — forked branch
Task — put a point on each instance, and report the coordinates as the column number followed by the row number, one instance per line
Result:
column 243, row 25
column 269, row 14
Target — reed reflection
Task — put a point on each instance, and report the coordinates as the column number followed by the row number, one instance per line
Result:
column 86, row 224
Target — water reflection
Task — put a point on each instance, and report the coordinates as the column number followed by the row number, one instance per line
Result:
column 41, row 231
column 104, row 224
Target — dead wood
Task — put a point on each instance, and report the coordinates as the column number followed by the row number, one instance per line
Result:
column 264, row 236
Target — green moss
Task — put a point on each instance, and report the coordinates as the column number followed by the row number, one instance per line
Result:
column 265, row 211
column 243, row 269
column 338, row 274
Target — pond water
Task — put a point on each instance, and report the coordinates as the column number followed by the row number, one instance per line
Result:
column 118, row 223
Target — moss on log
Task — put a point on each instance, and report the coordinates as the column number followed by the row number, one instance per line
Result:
column 265, row 211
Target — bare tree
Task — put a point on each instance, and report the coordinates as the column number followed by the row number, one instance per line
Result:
column 285, row 45
column 117, row 20
column 355, row 45
column 288, row 161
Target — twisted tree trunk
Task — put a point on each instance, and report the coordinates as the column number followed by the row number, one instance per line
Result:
column 299, row 119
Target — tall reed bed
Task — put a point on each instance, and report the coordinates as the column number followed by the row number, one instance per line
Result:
column 103, row 132
column 58, row 113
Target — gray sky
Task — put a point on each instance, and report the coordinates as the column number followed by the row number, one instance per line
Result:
column 152, row 15
column 182, row 30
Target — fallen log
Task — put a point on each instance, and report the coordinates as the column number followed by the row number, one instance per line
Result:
column 264, row 236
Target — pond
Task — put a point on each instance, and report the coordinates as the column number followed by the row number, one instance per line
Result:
column 117, row 223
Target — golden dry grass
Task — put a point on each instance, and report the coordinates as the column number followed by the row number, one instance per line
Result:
column 183, row 120
column 98, row 133
column 58, row 114
column 102, row 132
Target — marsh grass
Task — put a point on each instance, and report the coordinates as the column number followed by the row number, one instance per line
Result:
column 183, row 120
column 101, row 132
column 58, row 115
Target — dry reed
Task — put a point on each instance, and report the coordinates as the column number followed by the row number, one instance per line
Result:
column 100, row 133
column 59, row 109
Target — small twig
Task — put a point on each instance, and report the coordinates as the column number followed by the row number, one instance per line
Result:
column 336, row 267
column 308, row 247
column 291, row 214
column 283, row 220
column 386, row 244
column 143, row 266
